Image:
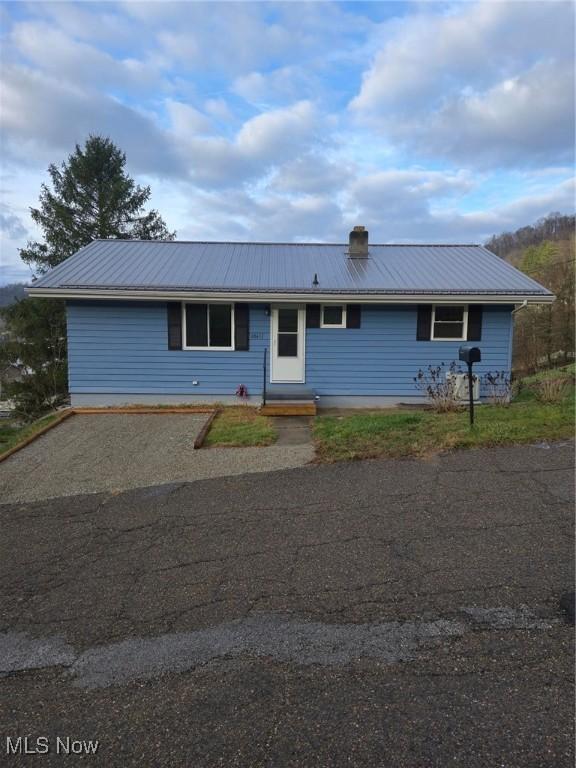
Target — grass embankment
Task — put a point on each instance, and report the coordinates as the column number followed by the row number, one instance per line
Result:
column 417, row 433
column 240, row 426
column 13, row 432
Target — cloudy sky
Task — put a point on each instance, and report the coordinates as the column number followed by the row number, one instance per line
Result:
column 424, row 121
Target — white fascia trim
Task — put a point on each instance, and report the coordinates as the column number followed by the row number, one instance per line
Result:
column 273, row 298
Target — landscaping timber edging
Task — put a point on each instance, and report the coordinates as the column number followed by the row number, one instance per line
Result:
column 199, row 441
column 27, row 440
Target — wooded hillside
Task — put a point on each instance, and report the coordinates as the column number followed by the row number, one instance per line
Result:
column 543, row 335
column 511, row 245
column 10, row 293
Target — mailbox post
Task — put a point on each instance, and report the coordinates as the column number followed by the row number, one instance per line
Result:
column 470, row 355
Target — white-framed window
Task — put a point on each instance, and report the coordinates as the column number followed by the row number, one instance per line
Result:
column 333, row 316
column 208, row 326
column 449, row 322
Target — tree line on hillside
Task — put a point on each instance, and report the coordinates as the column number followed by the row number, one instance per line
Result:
column 10, row 293
column 544, row 334
column 511, row 245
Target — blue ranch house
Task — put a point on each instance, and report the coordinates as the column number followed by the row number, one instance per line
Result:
column 348, row 324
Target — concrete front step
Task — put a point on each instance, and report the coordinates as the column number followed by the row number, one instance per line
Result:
column 292, row 394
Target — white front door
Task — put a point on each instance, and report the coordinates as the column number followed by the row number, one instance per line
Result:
column 288, row 325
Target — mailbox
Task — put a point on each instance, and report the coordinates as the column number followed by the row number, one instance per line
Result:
column 470, row 355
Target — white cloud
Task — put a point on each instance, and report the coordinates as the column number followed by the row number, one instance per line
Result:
column 278, row 86
column 57, row 54
column 103, row 23
column 219, row 109
column 484, row 83
column 263, row 142
column 238, row 120
column 41, row 114
column 186, row 120
column 526, row 117
column 420, row 206
column 13, row 233
column 242, row 216
column 312, row 173
column 278, row 133
column 11, row 225
column 402, row 197
column 398, row 206
column 519, row 212
column 206, row 36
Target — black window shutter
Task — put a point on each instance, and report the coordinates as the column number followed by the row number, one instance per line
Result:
column 424, row 326
column 174, row 314
column 312, row 315
column 353, row 315
column 474, row 322
column 241, row 327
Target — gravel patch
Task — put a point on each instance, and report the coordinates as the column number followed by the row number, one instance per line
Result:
column 283, row 638
column 114, row 452
column 20, row 652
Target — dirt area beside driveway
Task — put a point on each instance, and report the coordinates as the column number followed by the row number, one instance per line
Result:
column 113, row 452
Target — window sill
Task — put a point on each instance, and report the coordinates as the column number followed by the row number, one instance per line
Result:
column 208, row 349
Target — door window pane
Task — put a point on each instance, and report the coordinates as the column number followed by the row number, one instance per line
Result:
column 220, row 325
column 287, row 320
column 196, row 325
column 287, row 345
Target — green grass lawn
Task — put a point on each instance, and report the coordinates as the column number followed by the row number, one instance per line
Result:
column 418, row 433
column 240, row 426
column 13, row 432
column 565, row 371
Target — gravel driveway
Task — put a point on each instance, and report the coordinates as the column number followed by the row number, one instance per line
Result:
column 113, row 452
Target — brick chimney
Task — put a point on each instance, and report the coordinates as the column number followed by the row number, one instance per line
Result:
column 358, row 243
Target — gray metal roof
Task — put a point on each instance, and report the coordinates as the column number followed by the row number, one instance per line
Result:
column 287, row 268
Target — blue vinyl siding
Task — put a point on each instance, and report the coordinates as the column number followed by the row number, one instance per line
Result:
column 382, row 357
column 121, row 348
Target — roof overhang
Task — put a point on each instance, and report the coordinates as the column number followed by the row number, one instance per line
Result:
column 127, row 294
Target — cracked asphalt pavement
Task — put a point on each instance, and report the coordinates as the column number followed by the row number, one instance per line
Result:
column 379, row 613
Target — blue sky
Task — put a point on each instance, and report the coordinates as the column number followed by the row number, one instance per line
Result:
column 429, row 121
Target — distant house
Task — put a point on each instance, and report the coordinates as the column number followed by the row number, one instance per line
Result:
column 174, row 322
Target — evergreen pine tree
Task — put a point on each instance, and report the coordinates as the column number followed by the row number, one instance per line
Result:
column 91, row 197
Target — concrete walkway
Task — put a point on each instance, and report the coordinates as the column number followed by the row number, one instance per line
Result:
column 115, row 452
column 292, row 430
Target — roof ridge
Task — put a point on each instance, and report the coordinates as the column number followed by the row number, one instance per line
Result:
column 277, row 242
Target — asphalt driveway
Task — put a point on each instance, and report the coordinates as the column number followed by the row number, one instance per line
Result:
column 114, row 452
column 382, row 613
